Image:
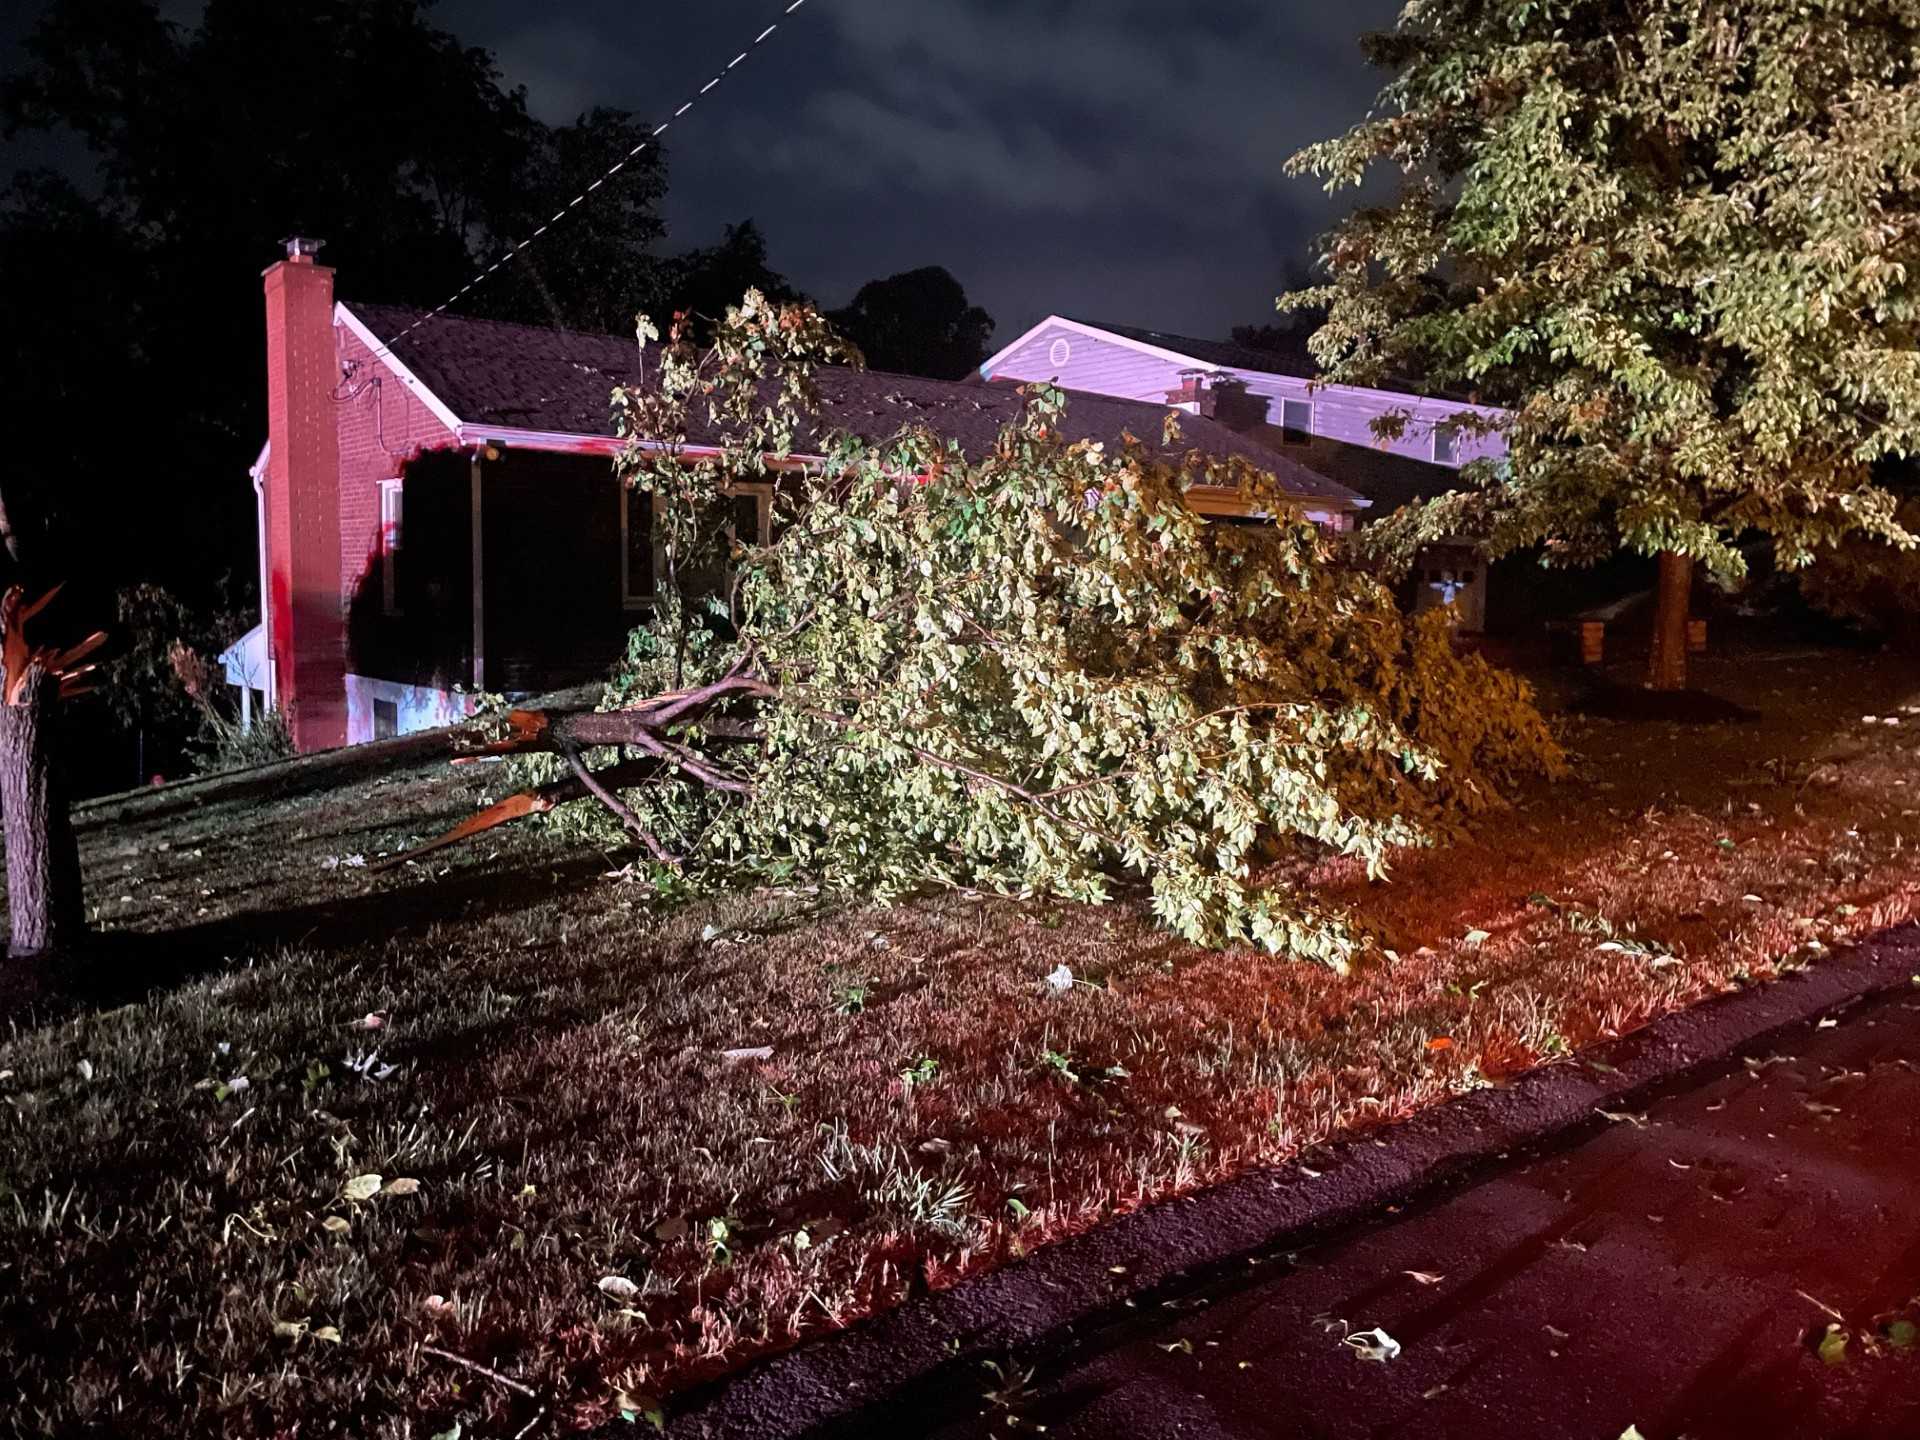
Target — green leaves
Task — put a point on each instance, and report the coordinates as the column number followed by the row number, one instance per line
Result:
column 1680, row 255
column 1033, row 670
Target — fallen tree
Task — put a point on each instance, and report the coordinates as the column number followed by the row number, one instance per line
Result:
column 1037, row 670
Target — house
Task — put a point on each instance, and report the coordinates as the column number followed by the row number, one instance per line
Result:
column 1274, row 398
column 439, row 515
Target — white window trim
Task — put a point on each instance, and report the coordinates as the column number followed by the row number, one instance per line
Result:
column 1454, row 432
column 393, row 519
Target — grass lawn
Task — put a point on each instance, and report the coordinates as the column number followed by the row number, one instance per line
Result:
column 339, row 1128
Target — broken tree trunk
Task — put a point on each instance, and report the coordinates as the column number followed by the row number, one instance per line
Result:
column 44, row 898
column 45, row 904
column 1667, row 665
column 660, row 728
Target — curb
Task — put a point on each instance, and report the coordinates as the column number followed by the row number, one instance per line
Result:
column 821, row 1386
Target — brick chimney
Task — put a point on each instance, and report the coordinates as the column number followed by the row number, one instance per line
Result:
column 306, row 629
column 1218, row 397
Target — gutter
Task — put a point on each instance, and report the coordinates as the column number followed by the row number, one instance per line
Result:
column 563, row 442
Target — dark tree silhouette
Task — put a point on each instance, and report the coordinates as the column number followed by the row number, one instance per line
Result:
column 918, row 322
column 703, row 282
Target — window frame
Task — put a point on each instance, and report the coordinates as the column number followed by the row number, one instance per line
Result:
column 761, row 491
column 1452, row 432
column 393, row 520
column 1288, row 432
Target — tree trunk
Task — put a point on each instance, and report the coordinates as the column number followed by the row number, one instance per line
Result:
column 44, row 898
column 1667, row 667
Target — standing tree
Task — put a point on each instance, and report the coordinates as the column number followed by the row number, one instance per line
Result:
column 918, row 322
column 1679, row 238
column 704, row 281
column 1036, row 669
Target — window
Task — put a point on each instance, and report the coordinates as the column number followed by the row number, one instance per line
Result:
column 1296, row 422
column 386, row 719
column 748, row 515
column 390, row 516
column 636, row 548
column 1446, row 445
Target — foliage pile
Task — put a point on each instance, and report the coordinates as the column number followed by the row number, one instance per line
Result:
column 1678, row 238
column 1036, row 671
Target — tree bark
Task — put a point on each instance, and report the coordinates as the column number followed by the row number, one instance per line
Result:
column 44, row 899
column 1667, row 666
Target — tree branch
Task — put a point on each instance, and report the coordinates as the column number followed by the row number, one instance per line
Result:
column 618, row 806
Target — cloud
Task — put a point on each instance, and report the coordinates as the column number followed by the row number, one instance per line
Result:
column 1039, row 148
column 859, row 142
column 1077, row 106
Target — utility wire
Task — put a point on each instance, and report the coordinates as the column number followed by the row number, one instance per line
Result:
column 611, row 171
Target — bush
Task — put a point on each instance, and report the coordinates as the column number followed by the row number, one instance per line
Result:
column 222, row 741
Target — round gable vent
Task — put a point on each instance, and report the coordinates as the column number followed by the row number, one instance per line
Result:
column 1060, row 354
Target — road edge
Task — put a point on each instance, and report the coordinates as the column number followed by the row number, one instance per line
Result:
column 832, row 1378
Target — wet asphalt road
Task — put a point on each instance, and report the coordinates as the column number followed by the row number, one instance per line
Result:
column 1671, row 1270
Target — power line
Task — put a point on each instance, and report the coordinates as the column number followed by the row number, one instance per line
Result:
column 566, row 209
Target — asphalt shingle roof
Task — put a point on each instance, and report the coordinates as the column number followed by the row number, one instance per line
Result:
column 489, row 372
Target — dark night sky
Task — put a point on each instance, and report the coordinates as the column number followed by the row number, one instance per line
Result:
column 1118, row 159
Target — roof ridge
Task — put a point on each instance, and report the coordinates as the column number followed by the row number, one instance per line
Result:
column 358, row 306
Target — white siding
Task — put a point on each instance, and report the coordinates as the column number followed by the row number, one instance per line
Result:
column 1341, row 412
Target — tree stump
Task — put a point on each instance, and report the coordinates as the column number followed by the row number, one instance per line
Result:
column 44, row 899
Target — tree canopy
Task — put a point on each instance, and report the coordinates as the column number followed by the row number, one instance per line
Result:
column 1037, row 669
column 1677, row 238
column 704, row 281
column 918, row 322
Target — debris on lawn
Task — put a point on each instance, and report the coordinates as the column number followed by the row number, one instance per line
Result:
column 573, row 1095
column 1374, row 1345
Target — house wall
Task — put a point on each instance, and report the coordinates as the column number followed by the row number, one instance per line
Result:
column 426, row 641
column 415, row 707
column 551, row 570
column 415, row 658
column 1342, row 413
column 382, row 426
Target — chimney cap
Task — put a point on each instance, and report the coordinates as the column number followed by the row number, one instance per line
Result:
column 301, row 249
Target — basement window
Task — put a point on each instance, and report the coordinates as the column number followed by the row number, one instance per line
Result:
column 1446, row 445
column 1296, row 422
column 386, row 719
column 391, row 492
